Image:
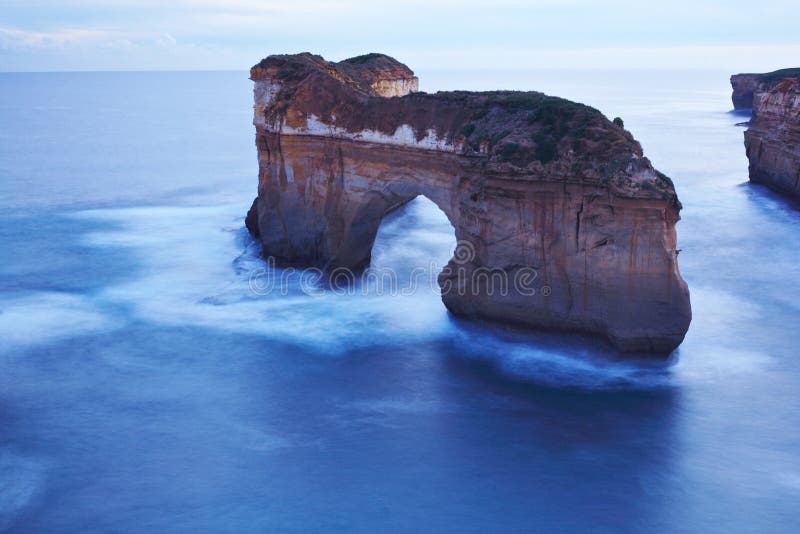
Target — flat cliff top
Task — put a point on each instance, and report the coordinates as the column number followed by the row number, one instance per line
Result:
column 527, row 135
column 771, row 77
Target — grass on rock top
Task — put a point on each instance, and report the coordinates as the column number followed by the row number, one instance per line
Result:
column 546, row 120
column 779, row 75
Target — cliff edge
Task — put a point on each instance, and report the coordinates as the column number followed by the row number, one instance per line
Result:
column 561, row 221
column 772, row 141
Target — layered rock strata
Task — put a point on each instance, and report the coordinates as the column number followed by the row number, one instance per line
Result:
column 748, row 87
column 562, row 223
column 772, row 141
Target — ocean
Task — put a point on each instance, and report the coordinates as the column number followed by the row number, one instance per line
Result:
column 146, row 383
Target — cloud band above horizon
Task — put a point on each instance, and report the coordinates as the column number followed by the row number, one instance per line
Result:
column 212, row 34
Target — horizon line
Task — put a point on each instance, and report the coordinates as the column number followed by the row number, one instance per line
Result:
column 437, row 69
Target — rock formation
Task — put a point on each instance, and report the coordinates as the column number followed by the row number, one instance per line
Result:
column 773, row 139
column 537, row 188
column 747, row 87
column 744, row 87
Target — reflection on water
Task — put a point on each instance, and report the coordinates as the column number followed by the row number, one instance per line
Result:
column 146, row 386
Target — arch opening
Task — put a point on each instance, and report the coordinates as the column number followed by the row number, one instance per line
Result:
column 413, row 243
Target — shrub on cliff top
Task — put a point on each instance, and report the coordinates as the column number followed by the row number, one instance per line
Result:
column 508, row 150
column 498, row 136
column 619, row 122
column 521, row 100
column 480, row 113
column 779, row 75
column 366, row 58
column 546, row 147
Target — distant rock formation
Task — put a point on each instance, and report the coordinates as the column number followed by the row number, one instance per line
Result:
column 773, row 139
column 544, row 194
column 746, row 87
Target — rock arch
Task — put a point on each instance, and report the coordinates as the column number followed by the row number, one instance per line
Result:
column 530, row 184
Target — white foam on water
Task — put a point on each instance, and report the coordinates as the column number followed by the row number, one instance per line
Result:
column 570, row 364
column 716, row 314
column 194, row 267
column 185, row 276
column 46, row 316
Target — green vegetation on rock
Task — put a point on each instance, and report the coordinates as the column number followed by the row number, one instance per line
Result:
column 780, row 75
column 508, row 150
column 360, row 60
column 499, row 136
column 546, row 147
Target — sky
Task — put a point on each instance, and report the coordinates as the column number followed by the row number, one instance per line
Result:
column 734, row 35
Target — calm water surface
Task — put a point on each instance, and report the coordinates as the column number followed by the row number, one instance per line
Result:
column 145, row 387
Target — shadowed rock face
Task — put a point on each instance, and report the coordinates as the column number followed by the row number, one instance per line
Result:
column 744, row 88
column 773, row 139
column 561, row 221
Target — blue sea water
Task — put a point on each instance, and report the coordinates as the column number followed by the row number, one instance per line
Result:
column 145, row 386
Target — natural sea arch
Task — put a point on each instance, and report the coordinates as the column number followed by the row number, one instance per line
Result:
column 529, row 182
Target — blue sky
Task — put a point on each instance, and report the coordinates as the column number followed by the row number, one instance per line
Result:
column 233, row 34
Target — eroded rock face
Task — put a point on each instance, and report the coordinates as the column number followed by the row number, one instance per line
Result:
column 748, row 87
column 773, row 139
column 744, row 87
column 530, row 183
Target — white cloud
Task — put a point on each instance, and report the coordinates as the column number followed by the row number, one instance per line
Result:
column 19, row 38
column 16, row 39
column 744, row 57
column 166, row 40
column 234, row 34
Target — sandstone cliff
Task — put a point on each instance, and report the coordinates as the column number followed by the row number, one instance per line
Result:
column 748, row 87
column 773, row 139
column 530, row 183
